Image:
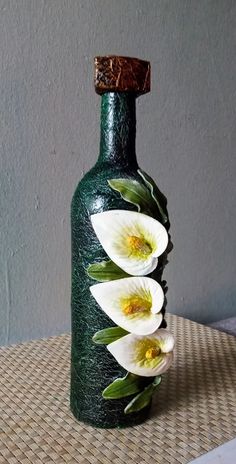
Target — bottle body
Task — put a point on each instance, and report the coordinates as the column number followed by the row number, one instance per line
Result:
column 90, row 374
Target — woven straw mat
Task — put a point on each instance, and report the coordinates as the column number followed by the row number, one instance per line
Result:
column 193, row 411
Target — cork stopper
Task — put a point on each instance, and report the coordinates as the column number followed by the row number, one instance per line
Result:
column 121, row 74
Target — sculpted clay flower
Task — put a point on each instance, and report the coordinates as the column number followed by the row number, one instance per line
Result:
column 132, row 240
column 146, row 356
column 133, row 303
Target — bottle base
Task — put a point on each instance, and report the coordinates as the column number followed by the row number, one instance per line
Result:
column 113, row 422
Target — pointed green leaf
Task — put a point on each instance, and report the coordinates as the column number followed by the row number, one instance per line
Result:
column 125, row 386
column 105, row 271
column 109, row 335
column 133, row 192
column 156, row 381
column 157, row 196
column 140, row 401
column 143, row 399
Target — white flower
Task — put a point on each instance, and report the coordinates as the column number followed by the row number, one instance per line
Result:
column 133, row 303
column 146, row 356
column 132, row 240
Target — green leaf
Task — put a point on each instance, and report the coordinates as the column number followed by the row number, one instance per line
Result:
column 157, row 196
column 109, row 335
column 140, row 401
column 143, row 399
column 156, row 381
column 105, row 271
column 133, row 192
column 125, row 386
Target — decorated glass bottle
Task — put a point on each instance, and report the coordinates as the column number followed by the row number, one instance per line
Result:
column 119, row 81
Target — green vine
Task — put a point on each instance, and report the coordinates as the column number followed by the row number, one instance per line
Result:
column 145, row 196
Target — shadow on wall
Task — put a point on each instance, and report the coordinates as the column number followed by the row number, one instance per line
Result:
column 217, row 306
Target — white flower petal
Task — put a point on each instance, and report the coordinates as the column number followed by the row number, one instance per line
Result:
column 167, row 341
column 133, row 303
column 116, row 228
column 127, row 351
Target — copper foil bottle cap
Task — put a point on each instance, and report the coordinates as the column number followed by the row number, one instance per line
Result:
column 121, row 74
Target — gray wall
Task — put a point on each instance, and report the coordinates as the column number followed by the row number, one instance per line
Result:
column 49, row 132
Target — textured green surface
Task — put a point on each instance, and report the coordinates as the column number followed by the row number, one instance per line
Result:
column 93, row 368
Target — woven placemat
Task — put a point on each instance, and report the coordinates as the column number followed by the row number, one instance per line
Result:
column 193, row 412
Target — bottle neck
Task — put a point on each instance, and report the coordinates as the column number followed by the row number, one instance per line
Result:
column 118, row 129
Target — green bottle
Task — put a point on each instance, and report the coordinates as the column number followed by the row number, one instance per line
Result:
column 119, row 80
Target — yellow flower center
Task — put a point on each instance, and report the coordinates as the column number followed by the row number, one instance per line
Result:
column 148, row 353
column 152, row 353
column 139, row 245
column 136, row 305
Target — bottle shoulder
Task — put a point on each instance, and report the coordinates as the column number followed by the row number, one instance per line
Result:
column 94, row 191
column 94, row 194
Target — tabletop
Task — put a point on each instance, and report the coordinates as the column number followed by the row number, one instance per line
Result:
column 193, row 411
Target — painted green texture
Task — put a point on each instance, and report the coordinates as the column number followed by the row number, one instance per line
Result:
column 93, row 368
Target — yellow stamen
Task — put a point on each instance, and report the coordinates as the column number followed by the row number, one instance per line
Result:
column 136, row 305
column 138, row 245
column 148, row 353
column 152, row 353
